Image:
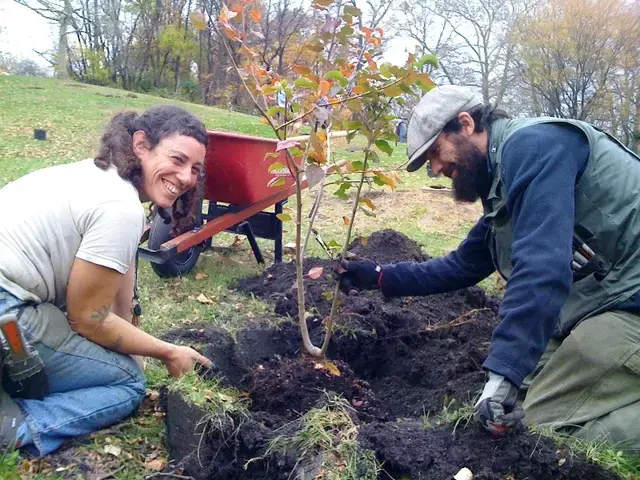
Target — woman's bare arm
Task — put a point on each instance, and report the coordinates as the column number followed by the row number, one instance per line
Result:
column 90, row 294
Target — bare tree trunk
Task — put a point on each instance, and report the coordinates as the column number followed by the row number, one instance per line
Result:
column 63, row 47
column 635, row 142
column 96, row 25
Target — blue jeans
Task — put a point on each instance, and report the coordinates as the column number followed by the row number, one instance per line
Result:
column 90, row 387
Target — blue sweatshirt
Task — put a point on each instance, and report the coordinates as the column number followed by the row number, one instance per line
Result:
column 541, row 166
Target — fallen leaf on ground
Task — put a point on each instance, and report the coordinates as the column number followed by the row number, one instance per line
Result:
column 202, row 298
column 112, row 450
column 328, row 367
column 156, row 464
column 315, row 272
column 201, row 276
column 153, row 394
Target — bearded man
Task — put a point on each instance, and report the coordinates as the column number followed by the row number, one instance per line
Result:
column 561, row 224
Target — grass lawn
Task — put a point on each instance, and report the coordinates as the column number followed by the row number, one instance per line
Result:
column 74, row 115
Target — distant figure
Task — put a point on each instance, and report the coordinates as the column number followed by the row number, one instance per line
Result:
column 401, row 131
column 281, row 101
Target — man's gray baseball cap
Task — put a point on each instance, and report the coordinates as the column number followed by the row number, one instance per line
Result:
column 437, row 108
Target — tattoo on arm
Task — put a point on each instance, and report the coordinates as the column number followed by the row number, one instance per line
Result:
column 100, row 315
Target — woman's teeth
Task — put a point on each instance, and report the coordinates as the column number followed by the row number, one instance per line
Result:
column 172, row 188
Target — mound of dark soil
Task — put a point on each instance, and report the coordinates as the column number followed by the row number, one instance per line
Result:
column 388, row 246
column 397, row 358
column 407, row 448
column 293, row 386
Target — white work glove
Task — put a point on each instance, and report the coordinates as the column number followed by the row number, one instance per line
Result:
column 497, row 410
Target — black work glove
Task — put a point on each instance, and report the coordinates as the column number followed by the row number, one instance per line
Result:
column 358, row 274
column 497, row 410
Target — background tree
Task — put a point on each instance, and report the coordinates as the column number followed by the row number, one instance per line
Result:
column 573, row 53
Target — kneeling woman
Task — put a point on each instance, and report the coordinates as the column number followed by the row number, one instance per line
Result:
column 67, row 268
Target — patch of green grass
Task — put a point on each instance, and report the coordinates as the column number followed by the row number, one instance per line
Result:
column 182, row 301
column 327, row 434
column 74, row 115
column 611, row 457
column 9, row 461
column 210, row 395
column 451, row 414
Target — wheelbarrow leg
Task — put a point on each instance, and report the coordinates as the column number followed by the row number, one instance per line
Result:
column 245, row 227
column 278, row 232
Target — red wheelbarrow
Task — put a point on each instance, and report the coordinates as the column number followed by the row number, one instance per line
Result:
column 236, row 186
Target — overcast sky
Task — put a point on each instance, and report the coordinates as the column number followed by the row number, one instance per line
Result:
column 22, row 31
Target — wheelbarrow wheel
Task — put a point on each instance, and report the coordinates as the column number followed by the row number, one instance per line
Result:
column 177, row 266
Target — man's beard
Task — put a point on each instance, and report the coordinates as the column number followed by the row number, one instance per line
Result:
column 472, row 180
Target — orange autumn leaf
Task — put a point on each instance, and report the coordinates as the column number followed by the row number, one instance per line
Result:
column 346, row 221
column 256, row 15
column 346, row 70
column 324, row 88
column 372, row 65
column 247, row 51
column 301, row 70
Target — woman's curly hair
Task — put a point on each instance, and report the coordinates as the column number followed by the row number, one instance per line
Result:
column 116, row 148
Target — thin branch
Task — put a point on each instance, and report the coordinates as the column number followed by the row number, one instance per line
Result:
column 110, row 474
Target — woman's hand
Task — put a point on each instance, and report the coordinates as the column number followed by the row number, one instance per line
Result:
column 181, row 360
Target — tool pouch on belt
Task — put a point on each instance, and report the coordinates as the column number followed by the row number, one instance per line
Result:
column 586, row 261
column 23, row 373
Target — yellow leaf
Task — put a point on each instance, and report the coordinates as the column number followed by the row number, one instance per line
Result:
column 322, row 3
column 368, row 203
column 202, row 298
column 393, row 91
column 332, row 368
column 198, row 21
column 201, row 276
column 318, row 141
column 283, row 217
column 359, row 89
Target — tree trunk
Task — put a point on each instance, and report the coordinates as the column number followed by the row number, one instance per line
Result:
column 63, row 50
column 635, row 142
column 96, row 25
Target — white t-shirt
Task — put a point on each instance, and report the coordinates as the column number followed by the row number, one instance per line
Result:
column 51, row 216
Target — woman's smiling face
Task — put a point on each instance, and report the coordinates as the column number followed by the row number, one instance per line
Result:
column 169, row 169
